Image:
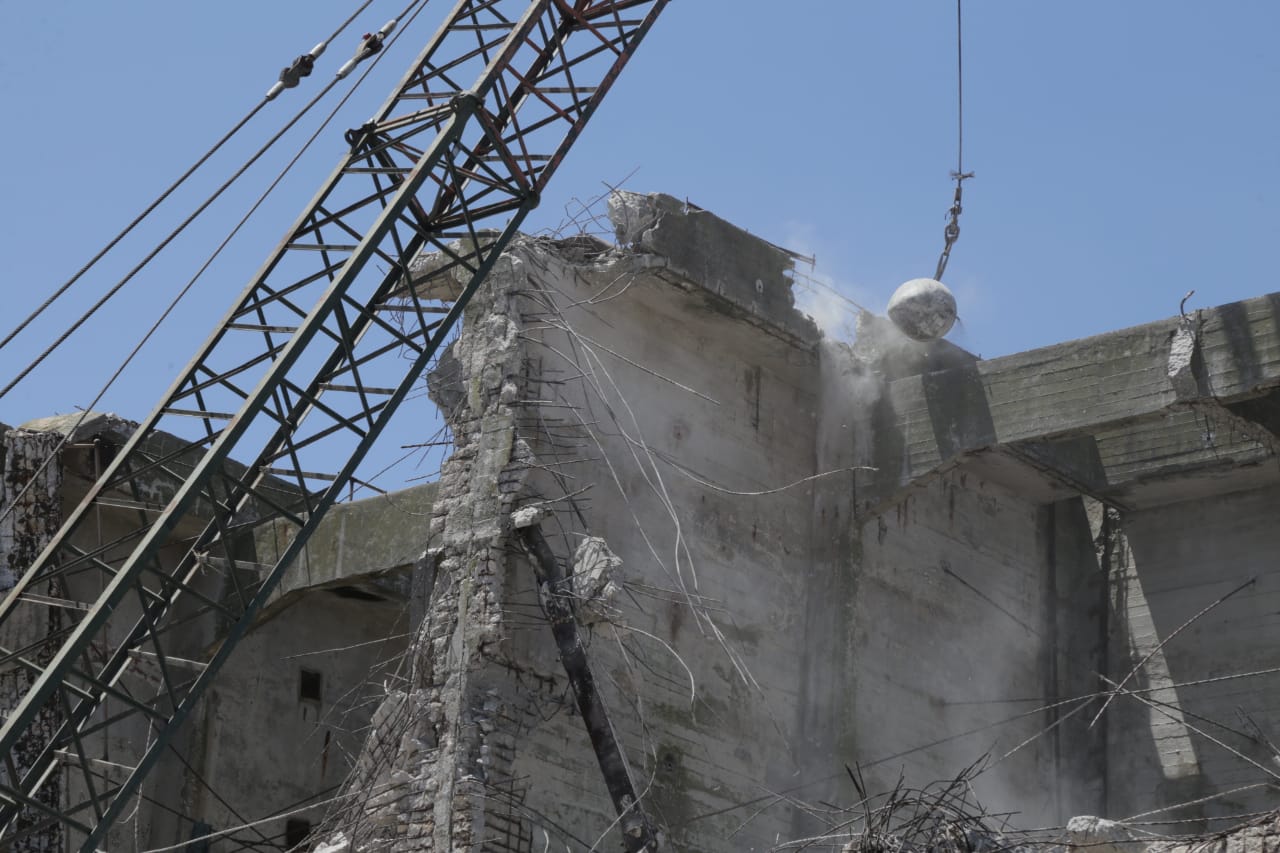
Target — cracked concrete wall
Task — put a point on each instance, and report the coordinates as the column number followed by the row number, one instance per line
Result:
column 778, row 616
column 692, row 430
column 540, row 389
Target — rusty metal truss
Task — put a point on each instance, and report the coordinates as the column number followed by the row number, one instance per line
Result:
column 295, row 384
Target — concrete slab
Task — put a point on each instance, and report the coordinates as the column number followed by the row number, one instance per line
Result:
column 1114, row 389
column 701, row 248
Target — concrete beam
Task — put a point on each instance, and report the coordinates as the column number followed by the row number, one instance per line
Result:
column 699, row 248
column 364, row 549
column 1079, row 407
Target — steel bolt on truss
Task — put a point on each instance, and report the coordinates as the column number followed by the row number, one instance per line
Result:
column 306, row 368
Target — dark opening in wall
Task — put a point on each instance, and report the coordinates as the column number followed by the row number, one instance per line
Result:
column 355, row 592
column 309, row 685
column 296, row 831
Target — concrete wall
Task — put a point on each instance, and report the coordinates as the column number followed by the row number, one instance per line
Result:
column 255, row 747
column 31, row 513
column 778, row 613
column 949, row 639
column 269, row 739
column 1216, row 739
column 689, row 422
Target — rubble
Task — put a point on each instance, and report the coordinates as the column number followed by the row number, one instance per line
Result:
column 596, row 576
column 1099, row 835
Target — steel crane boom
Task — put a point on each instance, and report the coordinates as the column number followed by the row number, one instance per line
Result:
column 306, row 368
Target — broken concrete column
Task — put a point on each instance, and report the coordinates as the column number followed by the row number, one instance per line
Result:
column 30, row 513
column 420, row 783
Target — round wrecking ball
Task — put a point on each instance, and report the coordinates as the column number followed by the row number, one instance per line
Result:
column 923, row 309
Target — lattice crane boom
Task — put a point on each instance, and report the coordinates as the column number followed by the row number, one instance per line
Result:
column 309, row 364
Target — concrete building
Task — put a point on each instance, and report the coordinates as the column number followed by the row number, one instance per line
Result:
column 279, row 730
column 793, row 561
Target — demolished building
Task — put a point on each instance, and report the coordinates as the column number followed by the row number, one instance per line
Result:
column 798, row 568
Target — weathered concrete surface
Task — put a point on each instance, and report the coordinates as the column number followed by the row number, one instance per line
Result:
column 1092, row 387
column 1175, row 739
column 766, row 619
column 286, row 717
column 697, row 662
column 423, row 779
column 960, row 616
column 696, row 246
column 697, row 406
column 257, row 746
column 364, row 548
column 30, row 513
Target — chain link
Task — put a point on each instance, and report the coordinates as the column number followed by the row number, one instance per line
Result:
column 952, row 232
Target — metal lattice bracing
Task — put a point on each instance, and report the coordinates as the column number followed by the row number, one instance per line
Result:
column 296, row 383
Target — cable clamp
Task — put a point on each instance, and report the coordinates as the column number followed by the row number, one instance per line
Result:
column 370, row 44
column 301, row 67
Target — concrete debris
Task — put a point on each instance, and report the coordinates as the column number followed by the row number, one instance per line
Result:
column 1261, row 835
column 527, row 516
column 338, row 843
column 633, row 214
column 1099, row 835
column 596, row 572
column 952, row 838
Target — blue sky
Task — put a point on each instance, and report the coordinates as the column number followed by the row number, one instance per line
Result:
column 1126, row 152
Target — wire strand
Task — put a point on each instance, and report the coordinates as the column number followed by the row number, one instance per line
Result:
column 959, row 94
column 163, row 244
column 111, row 244
column 348, row 21
column 951, row 232
column 150, row 208
column 7, row 510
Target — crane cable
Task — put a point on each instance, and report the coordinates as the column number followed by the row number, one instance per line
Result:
column 369, row 46
column 952, row 231
column 289, row 77
column 408, row 16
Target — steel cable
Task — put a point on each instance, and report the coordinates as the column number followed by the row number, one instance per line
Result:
column 111, row 244
column 952, row 231
column 87, row 410
column 150, row 208
column 169, row 238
